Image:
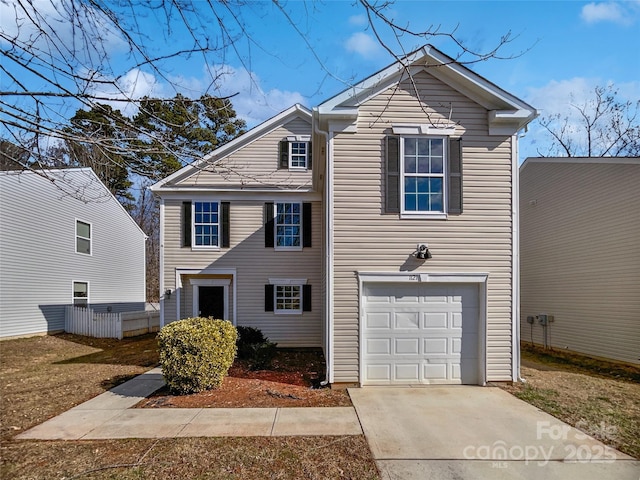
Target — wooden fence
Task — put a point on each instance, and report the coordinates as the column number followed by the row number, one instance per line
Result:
column 87, row 322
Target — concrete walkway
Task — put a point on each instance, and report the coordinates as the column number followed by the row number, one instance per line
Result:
column 468, row 432
column 111, row 415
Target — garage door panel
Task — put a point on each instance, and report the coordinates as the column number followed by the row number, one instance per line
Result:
column 407, row 346
column 407, row 320
column 434, row 372
column 435, row 320
column 435, row 346
column 378, row 346
column 409, row 372
column 378, row 320
column 421, row 334
column 378, row 372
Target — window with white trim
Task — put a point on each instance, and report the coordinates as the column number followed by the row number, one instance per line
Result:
column 288, row 221
column 298, row 152
column 81, row 294
column 288, row 298
column 83, row 237
column 423, row 185
column 206, row 224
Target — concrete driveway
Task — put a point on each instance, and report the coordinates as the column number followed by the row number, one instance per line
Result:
column 468, row 432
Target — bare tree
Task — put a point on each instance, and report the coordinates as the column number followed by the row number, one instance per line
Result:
column 147, row 215
column 63, row 55
column 602, row 126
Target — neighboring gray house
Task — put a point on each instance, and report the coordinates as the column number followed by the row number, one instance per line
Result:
column 580, row 255
column 381, row 226
column 64, row 239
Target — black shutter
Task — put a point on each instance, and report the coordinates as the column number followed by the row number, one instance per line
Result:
column 392, row 200
column 186, row 224
column 268, row 298
column 226, row 226
column 283, row 161
column 306, row 298
column 306, row 225
column 268, row 225
column 455, row 176
column 309, row 156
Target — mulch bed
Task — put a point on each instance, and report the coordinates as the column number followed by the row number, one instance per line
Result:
column 292, row 381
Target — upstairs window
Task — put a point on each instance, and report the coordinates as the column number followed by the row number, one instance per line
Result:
column 423, row 175
column 295, row 153
column 298, row 152
column 206, row 224
column 83, row 237
column 423, row 185
column 288, row 223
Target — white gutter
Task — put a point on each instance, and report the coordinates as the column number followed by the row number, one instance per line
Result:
column 328, row 242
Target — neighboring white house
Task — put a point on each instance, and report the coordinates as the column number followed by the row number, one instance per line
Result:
column 64, row 239
column 381, row 226
column 580, row 255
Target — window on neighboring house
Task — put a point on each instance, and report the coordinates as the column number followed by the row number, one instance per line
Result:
column 295, row 153
column 287, row 296
column 206, row 224
column 424, row 176
column 80, row 294
column 83, row 237
column 288, row 222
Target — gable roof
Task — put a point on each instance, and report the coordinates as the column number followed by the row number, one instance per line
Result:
column 507, row 113
column 79, row 183
column 295, row 111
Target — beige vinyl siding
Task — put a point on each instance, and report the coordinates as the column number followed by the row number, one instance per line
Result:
column 366, row 239
column 580, row 256
column 254, row 265
column 255, row 165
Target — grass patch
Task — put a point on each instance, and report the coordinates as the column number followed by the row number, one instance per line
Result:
column 42, row 377
column 580, row 363
column 598, row 397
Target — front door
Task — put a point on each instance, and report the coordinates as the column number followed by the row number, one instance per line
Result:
column 211, row 302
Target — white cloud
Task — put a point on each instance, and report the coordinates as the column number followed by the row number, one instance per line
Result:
column 252, row 103
column 134, row 85
column 606, row 12
column 56, row 22
column 358, row 20
column 362, row 44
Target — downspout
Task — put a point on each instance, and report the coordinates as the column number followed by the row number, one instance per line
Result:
column 328, row 204
column 161, row 266
column 515, row 221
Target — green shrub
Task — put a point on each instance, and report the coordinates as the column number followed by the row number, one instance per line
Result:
column 196, row 353
column 249, row 335
column 255, row 348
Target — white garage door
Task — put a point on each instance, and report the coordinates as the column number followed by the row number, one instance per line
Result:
column 420, row 334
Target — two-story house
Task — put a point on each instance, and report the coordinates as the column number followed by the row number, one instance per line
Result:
column 381, row 226
column 64, row 240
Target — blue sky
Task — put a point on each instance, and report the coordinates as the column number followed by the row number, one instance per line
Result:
column 560, row 48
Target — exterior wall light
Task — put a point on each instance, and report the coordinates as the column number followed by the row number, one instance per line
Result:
column 422, row 252
column 167, row 294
